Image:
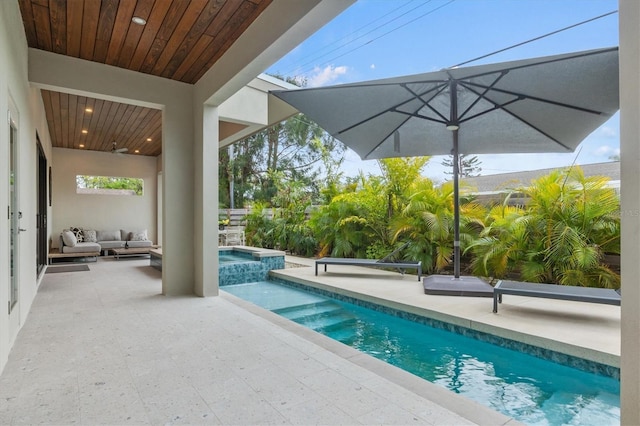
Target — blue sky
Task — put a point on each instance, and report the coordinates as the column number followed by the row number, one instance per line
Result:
column 385, row 38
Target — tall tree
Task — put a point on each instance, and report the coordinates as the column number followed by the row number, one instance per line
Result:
column 297, row 148
column 469, row 166
column 399, row 174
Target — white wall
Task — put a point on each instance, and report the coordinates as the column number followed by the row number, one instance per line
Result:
column 103, row 212
column 630, row 209
column 27, row 102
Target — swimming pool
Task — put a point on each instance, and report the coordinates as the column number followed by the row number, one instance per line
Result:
column 532, row 390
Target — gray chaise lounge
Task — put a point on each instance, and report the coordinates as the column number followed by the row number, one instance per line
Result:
column 370, row 263
column 385, row 262
column 553, row 291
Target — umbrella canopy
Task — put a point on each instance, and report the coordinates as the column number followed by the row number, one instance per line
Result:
column 547, row 104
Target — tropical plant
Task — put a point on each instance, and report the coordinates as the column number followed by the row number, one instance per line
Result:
column 353, row 220
column 501, row 245
column 285, row 228
column 258, row 230
column 399, row 175
column 428, row 222
column 569, row 224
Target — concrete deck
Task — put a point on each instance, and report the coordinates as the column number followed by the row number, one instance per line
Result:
column 104, row 347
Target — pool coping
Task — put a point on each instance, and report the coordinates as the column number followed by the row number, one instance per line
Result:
column 256, row 252
column 574, row 352
column 457, row 404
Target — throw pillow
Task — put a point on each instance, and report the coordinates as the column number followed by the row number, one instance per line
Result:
column 69, row 239
column 139, row 236
column 78, row 234
column 125, row 235
column 90, row 235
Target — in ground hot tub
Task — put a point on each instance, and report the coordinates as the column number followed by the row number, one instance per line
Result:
column 247, row 264
column 238, row 264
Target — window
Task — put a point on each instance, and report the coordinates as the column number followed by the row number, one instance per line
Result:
column 106, row 185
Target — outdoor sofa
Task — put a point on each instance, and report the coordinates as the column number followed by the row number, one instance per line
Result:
column 554, row 291
column 86, row 242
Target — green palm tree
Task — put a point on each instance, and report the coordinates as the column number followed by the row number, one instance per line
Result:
column 353, row 220
column 569, row 224
column 399, row 175
column 502, row 243
column 427, row 221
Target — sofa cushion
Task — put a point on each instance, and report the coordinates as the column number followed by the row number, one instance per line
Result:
column 69, row 238
column 136, row 244
column 108, row 235
column 106, row 245
column 139, row 236
column 82, row 248
column 90, row 235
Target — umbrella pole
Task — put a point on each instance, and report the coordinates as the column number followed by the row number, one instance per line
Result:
column 456, row 207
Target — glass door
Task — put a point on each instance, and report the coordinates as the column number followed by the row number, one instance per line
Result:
column 14, row 214
column 42, row 246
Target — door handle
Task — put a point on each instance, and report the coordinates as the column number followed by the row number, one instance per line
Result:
column 22, row 230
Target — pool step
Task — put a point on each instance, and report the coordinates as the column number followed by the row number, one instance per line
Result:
column 324, row 317
column 342, row 324
column 323, row 324
column 300, row 311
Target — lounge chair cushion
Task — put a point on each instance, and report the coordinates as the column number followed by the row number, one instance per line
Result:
column 553, row 291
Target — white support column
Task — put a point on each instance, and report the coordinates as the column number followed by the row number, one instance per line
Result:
column 178, row 199
column 206, row 201
column 629, row 16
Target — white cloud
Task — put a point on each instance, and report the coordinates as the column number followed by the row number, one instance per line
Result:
column 608, row 132
column 372, row 66
column 606, row 151
column 326, row 75
column 353, row 165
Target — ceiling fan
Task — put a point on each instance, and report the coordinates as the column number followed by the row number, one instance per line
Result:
column 116, row 150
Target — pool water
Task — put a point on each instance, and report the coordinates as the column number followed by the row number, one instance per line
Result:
column 226, row 257
column 530, row 389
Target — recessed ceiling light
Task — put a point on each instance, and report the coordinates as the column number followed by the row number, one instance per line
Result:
column 138, row 20
column 88, row 110
column 81, row 145
column 85, row 131
column 149, row 139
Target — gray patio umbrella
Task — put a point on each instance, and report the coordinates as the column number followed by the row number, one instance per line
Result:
column 547, row 104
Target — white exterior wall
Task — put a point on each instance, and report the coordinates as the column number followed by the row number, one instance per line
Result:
column 102, row 212
column 629, row 12
column 16, row 93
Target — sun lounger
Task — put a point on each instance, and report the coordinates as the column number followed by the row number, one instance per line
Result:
column 388, row 261
column 401, row 265
column 553, row 291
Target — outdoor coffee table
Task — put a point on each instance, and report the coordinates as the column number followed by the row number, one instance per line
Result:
column 131, row 251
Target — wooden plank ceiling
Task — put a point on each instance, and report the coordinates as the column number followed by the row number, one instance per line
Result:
column 181, row 40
